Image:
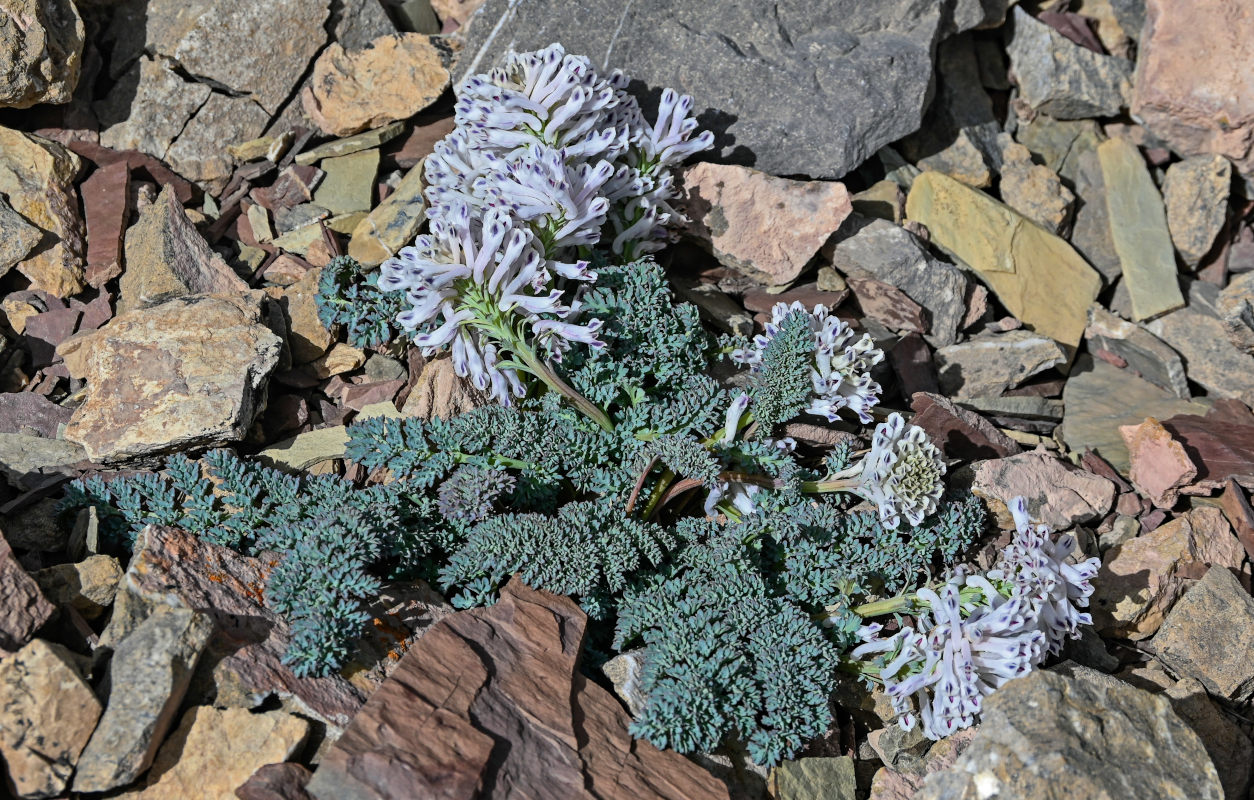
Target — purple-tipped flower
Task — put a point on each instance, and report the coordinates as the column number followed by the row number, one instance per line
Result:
column 902, row 474
column 842, row 362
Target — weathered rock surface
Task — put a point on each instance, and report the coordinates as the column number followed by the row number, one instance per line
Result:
column 808, row 778
column 902, row 783
column 486, row 677
column 768, row 228
column 26, row 460
column 1090, row 234
column 198, row 153
column 150, row 672
column 88, row 586
column 213, row 751
column 1034, row 190
column 106, row 207
column 1138, row 226
column 895, row 256
column 46, row 718
column 958, row 432
column 1236, row 309
column 1059, row 78
column 41, row 52
column 1195, row 192
column 1037, row 735
column 32, row 412
column 276, row 782
column 307, row 337
column 821, row 56
column 393, row 223
column 1038, row 276
column 1210, row 358
column 1186, row 90
column 1220, row 443
column 1057, row 494
column 1160, row 467
column 392, row 78
column 1142, row 352
column 37, row 178
column 1208, row 636
column 440, row 393
column 185, row 374
column 349, row 182
column 148, row 107
column 1228, row 746
column 25, row 608
column 989, row 364
column 1142, row 578
column 19, row 237
column 166, row 257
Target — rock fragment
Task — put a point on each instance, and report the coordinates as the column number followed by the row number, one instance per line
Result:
column 989, row 364
column 440, row 393
column 41, row 52
column 185, row 374
column 766, row 227
column 88, row 586
column 1195, row 192
column 37, row 178
column 148, row 107
column 1034, row 190
column 1059, row 78
column 1057, row 494
column 106, row 206
column 349, row 182
column 1036, row 735
column 958, row 432
column 17, row 237
column 1208, row 636
column 276, row 782
column 198, row 154
column 1160, row 467
column 1210, row 358
column 392, row 78
column 1143, row 352
column 1228, row 746
column 831, row 777
column 1236, row 309
column 1221, row 445
column 24, row 609
column 48, row 715
column 393, row 223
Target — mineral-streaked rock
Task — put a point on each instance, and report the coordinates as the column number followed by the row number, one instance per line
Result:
column 393, row 223
column 1209, row 356
column 1195, row 192
column 988, row 365
column 1057, row 493
column 19, row 237
column 1209, row 634
column 1038, row 276
column 88, row 585
column 41, row 52
column 1037, row 735
column 37, row 178
column 768, row 228
column 393, row 78
column 1141, row 579
column 151, row 670
column 1187, row 92
column 213, row 751
column 1059, row 78
column 1142, row 351
column 24, row 608
column 1236, row 309
column 188, row 373
column 166, row 257
column 1160, row 467
column 902, row 784
column 1138, row 226
column 46, row 718
column 504, row 673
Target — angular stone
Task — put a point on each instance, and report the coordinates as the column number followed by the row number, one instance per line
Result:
column 1228, row 746
column 271, row 148
column 46, row 718
column 37, row 527
column 149, row 107
column 1143, row 352
column 198, row 153
column 1059, row 78
column 988, row 365
column 392, row 78
column 26, row 460
column 1060, row 144
column 1195, row 192
column 185, row 374
column 1090, row 234
column 393, row 223
column 1038, row 276
column 88, row 585
column 166, row 257
column 19, row 237
column 32, row 411
column 106, row 205
column 902, row 784
column 276, row 782
column 41, row 52
column 361, row 21
column 1210, row 358
column 47, row 330
column 24, row 609
column 292, row 188
column 486, row 677
column 1221, row 447
column 1209, row 634
column 151, row 670
column 306, row 449
column 962, row 160
column 339, row 359
column 1159, row 465
column 1138, row 227
column 886, row 304
column 821, row 56
column 1236, row 309
column 260, row 49
column 213, row 751
column 37, row 178
column 302, row 240
column 307, row 337
column 1141, row 579
column 1057, row 493
column 814, row 778
column 958, row 432
column 1037, row 735
column 349, row 182
column 1187, row 92
column 440, row 393
column 766, row 227
column 352, row 144
column 1099, row 398
column 892, row 254
column 1034, row 190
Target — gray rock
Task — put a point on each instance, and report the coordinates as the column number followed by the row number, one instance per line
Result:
column 198, row 153
column 1062, row 79
column 1091, row 232
column 1195, row 192
column 1143, row 352
column 1224, row 740
column 355, row 23
column 831, row 778
column 24, row 608
column 1236, row 309
column 25, row 459
column 1058, row 143
column 1210, row 358
column 17, row 236
column 623, row 670
column 149, row 674
column 1209, row 635
column 789, row 88
column 37, row 527
column 41, row 50
column 381, row 368
column 1093, row 735
column 989, row 364
column 148, row 108
column 892, row 254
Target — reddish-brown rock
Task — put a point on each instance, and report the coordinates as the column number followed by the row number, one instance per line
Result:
column 23, row 608
column 29, row 410
column 766, row 227
column 887, row 304
column 491, row 704
column 959, row 432
column 1220, row 447
column 1057, row 493
column 284, row 781
column 106, row 206
column 1160, row 466
column 1187, row 90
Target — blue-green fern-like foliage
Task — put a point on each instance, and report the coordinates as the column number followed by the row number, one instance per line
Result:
column 349, row 298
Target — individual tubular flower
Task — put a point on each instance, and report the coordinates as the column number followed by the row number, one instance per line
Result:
column 841, row 374
column 902, row 474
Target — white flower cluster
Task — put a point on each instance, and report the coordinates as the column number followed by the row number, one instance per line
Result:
column 980, row 631
column 842, row 362
column 902, row 474
column 546, row 159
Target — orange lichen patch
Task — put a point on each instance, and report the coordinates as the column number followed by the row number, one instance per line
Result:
column 215, row 577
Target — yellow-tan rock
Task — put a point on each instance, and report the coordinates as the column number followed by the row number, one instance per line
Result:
column 37, row 176
column 393, row 223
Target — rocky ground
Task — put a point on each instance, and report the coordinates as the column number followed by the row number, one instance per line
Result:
column 1042, row 212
